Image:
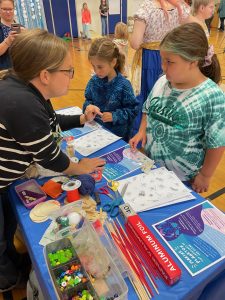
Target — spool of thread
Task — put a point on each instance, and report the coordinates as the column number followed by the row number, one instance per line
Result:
column 71, row 187
column 87, row 184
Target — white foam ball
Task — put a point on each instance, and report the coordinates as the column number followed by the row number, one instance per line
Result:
column 74, row 218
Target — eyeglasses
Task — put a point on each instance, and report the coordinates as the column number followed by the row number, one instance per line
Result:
column 7, row 9
column 69, row 71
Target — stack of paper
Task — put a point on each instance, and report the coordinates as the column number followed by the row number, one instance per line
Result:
column 158, row 188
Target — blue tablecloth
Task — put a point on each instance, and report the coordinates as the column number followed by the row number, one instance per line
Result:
column 213, row 279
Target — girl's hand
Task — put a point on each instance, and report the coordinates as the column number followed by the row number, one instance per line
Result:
column 139, row 137
column 107, row 117
column 91, row 112
column 89, row 165
column 200, row 183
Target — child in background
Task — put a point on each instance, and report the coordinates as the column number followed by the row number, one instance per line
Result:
column 202, row 10
column 121, row 40
column 109, row 90
column 103, row 11
column 183, row 118
column 221, row 12
column 86, row 21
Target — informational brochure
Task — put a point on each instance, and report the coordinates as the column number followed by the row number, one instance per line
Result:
column 77, row 132
column 196, row 236
column 73, row 110
column 123, row 161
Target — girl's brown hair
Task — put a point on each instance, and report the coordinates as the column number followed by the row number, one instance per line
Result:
column 105, row 49
column 190, row 42
column 121, row 31
column 35, row 50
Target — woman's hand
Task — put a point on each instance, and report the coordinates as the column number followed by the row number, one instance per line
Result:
column 200, row 183
column 91, row 112
column 89, row 165
column 107, row 117
column 11, row 37
column 139, row 137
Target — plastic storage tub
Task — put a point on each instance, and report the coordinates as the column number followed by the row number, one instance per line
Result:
column 105, row 279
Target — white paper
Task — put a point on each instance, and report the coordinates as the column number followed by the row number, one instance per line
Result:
column 156, row 189
column 114, row 7
column 74, row 110
column 94, row 141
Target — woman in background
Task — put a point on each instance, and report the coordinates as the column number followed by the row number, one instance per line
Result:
column 151, row 23
column 7, row 36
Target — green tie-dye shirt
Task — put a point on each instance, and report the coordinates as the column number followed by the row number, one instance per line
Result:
column 182, row 124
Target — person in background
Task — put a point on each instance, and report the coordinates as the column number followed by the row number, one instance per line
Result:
column 7, row 36
column 86, row 21
column 103, row 11
column 151, row 23
column 183, row 118
column 121, row 36
column 201, row 11
column 221, row 12
column 109, row 90
column 29, row 128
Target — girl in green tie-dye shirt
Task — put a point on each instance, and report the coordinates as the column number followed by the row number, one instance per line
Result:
column 183, row 122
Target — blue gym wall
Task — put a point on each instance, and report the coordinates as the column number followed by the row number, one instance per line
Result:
column 61, row 17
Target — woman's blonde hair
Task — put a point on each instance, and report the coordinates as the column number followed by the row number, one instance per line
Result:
column 121, row 31
column 189, row 41
column 8, row 0
column 196, row 5
column 105, row 49
column 35, row 50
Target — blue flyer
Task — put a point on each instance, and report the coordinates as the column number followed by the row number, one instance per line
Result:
column 196, row 236
column 121, row 162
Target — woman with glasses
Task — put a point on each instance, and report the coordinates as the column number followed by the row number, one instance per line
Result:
column 6, row 34
column 42, row 69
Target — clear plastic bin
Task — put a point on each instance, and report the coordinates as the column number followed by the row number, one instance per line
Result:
column 105, row 279
column 68, row 291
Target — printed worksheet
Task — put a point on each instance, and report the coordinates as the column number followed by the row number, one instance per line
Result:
column 158, row 188
column 94, row 141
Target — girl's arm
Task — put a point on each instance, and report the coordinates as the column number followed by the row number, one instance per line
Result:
column 212, row 158
column 88, row 96
column 129, row 106
column 138, row 34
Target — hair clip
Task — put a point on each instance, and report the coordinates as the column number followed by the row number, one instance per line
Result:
column 208, row 57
